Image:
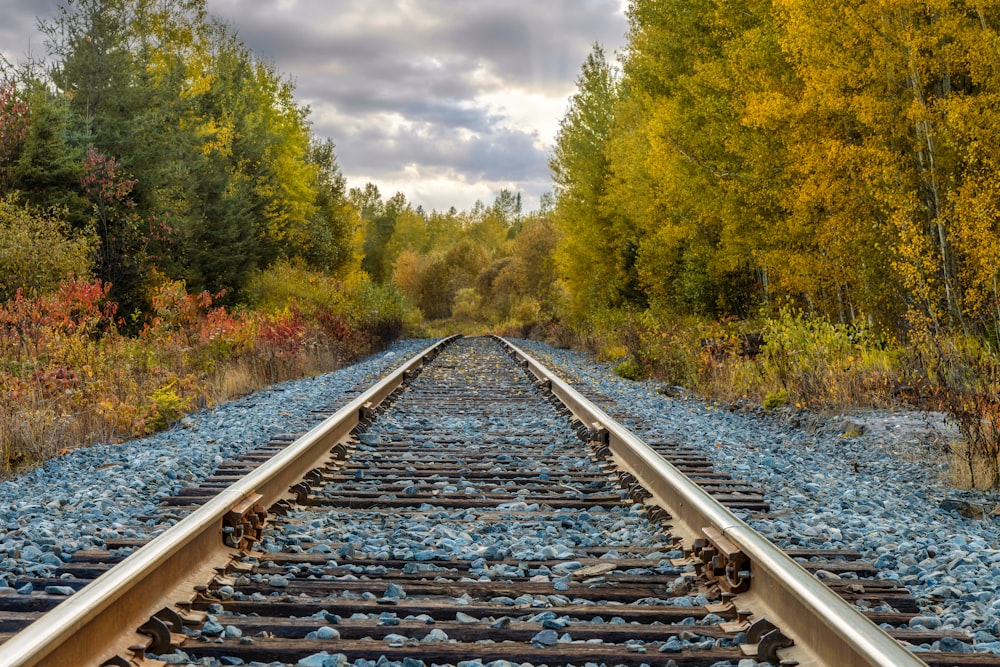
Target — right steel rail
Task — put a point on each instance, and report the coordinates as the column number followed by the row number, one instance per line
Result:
column 822, row 624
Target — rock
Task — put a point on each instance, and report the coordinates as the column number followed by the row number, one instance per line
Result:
column 435, row 635
column 671, row 391
column 545, row 638
column 962, row 507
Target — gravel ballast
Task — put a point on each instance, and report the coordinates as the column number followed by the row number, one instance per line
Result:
column 877, row 489
column 79, row 500
column 873, row 482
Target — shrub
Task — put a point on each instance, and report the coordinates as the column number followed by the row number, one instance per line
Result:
column 821, row 363
column 961, row 376
column 169, row 405
column 775, row 399
column 68, row 373
column 630, row 370
column 38, row 251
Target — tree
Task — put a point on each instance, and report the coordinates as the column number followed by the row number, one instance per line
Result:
column 48, row 169
column 590, row 254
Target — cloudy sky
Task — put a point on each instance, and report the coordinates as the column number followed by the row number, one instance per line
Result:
column 447, row 101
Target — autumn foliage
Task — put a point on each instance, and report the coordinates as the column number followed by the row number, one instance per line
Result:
column 748, row 160
column 69, row 376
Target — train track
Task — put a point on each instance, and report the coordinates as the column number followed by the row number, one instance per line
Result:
column 470, row 506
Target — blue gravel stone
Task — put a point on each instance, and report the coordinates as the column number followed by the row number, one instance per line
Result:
column 212, row 628
column 394, row 590
column 545, row 638
column 672, row 645
column 435, row 635
column 50, row 559
column 954, row 645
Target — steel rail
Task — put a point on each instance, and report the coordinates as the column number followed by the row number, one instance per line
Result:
column 87, row 628
column 821, row 623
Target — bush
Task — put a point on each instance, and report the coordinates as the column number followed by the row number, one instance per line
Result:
column 68, row 374
column 775, row 399
column 961, row 376
column 37, row 251
column 817, row 362
column 630, row 370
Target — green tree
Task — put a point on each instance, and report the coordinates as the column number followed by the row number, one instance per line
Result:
column 48, row 168
column 591, row 254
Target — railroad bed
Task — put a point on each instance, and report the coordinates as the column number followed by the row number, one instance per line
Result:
column 472, row 517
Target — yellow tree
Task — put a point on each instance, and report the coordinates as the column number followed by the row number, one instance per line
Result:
column 591, row 255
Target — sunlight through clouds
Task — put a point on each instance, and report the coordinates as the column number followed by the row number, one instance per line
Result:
column 433, row 98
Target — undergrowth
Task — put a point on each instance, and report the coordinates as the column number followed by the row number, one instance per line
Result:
column 797, row 361
column 69, row 376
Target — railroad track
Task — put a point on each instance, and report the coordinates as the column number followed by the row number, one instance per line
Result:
column 470, row 506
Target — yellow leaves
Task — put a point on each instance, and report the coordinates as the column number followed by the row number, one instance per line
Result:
column 199, row 84
column 766, row 109
column 217, row 135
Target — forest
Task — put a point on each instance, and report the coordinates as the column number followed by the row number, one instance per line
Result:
column 821, row 178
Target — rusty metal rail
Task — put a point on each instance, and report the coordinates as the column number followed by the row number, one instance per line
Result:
column 89, row 623
column 808, row 612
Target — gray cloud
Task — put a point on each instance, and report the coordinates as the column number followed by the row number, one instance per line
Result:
column 19, row 37
column 436, row 89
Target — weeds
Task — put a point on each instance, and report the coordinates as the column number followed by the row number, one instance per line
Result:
column 70, row 377
column 962, row 378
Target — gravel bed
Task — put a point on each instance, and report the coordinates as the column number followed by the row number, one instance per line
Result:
column 432, row 535
column 878, row 492
column 872, row 481
column 79, row 500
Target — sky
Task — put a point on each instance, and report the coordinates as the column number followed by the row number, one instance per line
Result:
column 446, row 101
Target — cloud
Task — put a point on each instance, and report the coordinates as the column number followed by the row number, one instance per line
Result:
column 19, row 37
column 447, row 97
column 468, row 94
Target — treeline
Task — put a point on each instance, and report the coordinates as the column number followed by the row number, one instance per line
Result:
column 150, row 129
column 838, row 158
column 488, row 267
column 824, row 173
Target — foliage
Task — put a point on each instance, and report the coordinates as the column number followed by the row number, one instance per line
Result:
column 353, row 309
column 68, row 373
column 961, row 376
column 630, row 370
column 775, row 399
column 37, row 251
column 595, row 255
column 184, row 151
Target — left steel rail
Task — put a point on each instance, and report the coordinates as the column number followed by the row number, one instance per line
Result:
column 99, row 621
